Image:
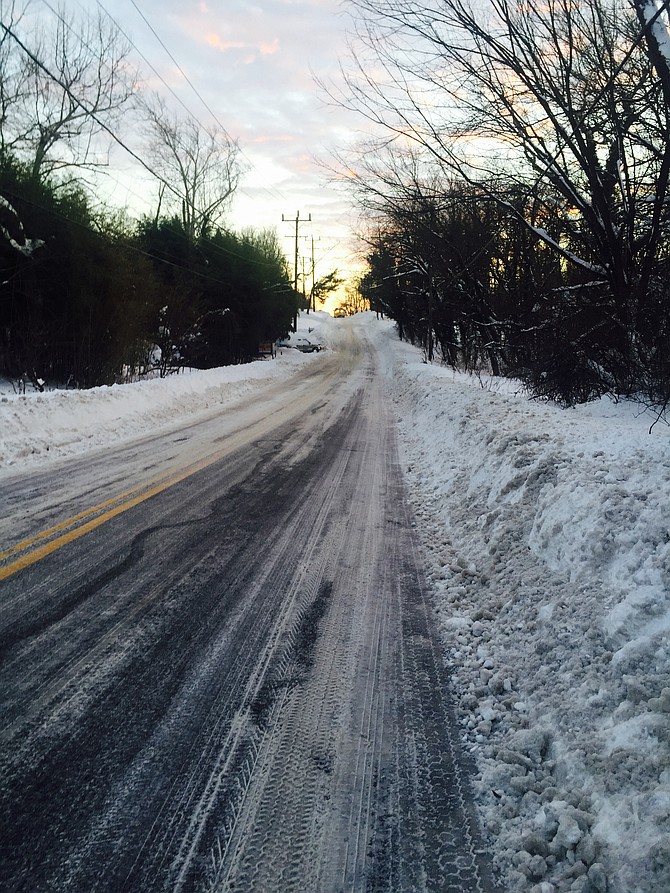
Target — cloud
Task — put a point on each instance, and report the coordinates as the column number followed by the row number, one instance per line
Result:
column 269, row 49
column 219, row 43
column 250, row 65
column 262, row 138
column 264, row 48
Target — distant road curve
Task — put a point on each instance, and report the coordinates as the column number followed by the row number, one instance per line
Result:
column 218, row 669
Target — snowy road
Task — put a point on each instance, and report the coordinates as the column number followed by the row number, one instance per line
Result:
column 219, row 670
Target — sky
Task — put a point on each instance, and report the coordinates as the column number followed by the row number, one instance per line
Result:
column 544, row 533
column 253, row 68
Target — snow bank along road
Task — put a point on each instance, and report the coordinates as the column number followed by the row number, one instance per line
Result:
column 218, row 669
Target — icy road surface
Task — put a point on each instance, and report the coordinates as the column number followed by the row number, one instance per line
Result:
column 218, row 667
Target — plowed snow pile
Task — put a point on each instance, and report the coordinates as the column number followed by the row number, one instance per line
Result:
column 547, row 540
column 548, row 543
column 35, row 427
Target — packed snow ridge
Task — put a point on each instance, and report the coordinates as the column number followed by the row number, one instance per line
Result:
column 547, row 543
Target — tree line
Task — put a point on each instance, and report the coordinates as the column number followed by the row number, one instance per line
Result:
column 517, row 200
column 89, row 295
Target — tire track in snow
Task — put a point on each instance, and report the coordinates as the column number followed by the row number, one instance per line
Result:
column 278, row 718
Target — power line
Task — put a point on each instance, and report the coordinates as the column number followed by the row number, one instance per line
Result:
column 102, row 125
column 106, row 128
column 128, row 246
column 269, row 189
column 33, row 58
column 192, row 86
column 141, row 55
column 60, row 17
column 181, row 102
column 179, row 68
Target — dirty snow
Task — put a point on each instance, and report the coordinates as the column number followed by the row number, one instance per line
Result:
column 37, row 426
column 547, row 544
column 547, row 538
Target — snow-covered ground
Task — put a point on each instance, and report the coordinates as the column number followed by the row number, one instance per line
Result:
column 547, row 542
column 547, row 537
column 37, row 426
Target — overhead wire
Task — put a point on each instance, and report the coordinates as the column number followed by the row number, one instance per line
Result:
column 226, row 133
column 94, row 117
column 180, row 69
column 175, row 95
column 271, row 190
column 105, row 127
column 11, row 33
column 128, row 246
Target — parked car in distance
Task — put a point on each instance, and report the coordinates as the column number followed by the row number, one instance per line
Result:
column 305, row 345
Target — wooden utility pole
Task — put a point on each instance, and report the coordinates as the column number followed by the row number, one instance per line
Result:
column 312, row 295
column 297, row 222
column 304, row 293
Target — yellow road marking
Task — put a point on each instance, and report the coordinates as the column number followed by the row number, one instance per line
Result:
column 123, row 501
column 120, row 505
column 45, row 534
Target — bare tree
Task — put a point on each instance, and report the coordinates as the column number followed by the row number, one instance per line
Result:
column 355, row 299
column 198, row 165
column 13, row 71
column 75, row 79
column 655, row 23
column 556, row 99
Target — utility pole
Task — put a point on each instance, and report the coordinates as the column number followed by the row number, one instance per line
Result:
column 313, row 296
column 297, row 222
column 311, row 302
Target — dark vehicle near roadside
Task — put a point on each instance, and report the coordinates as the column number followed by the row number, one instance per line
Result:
column 302, row 344
column 305, row 345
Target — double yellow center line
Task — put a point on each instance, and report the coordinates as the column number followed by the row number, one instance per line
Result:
column 32, row 550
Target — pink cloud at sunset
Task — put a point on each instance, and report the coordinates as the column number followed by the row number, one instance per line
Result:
column 269, row 49
column 219, row 43
column 252, row 69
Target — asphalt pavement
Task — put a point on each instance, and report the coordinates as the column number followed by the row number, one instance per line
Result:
column 219, row 668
